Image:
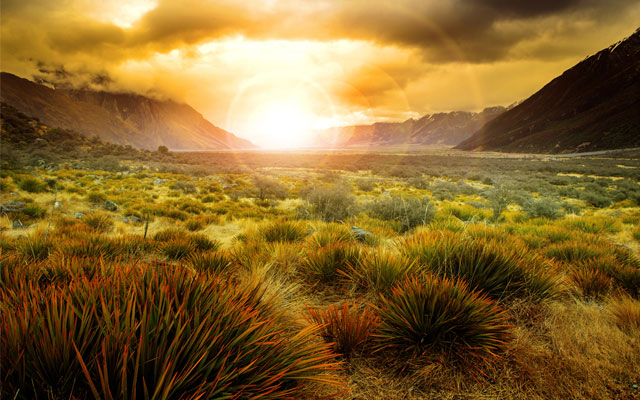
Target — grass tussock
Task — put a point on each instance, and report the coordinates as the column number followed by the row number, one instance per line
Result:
column 349, row 328
column 626, row 313
column 158, row 331
column 325, row 263
column 496, row 269
column 439, row 316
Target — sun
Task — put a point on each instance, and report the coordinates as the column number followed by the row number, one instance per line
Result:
column 280, row 125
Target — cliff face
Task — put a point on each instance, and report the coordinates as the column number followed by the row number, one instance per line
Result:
column 593, row 106
column 118, row 118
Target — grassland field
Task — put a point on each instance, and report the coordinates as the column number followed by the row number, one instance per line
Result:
column 307, row 275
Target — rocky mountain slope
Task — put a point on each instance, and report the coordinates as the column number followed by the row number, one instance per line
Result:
column 119, row 118
column 444, row 129
column 593, row 106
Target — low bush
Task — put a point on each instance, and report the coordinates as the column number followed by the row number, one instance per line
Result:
column 349, row 327
column 626, row 313
column 163, row 332
column 330, row 234
column 284, row 231
column 403, row 213
column 542, row 208
column 591, row 282
column 325, row 262
column 32, row 185
column 100, row 223
column 96, row 197
column 593, row 224
column 209, row 261
column 176, row 249
column 442, row 317
column 329, row 203
column 497, row 269
column 380, row 269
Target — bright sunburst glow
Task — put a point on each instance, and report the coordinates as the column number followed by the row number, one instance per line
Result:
column 280, row 125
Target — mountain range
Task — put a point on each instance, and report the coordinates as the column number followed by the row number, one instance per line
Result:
column 440, row 129
column 120, row 118
column 592, row 106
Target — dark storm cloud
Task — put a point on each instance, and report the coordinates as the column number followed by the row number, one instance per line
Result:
column 459, row 30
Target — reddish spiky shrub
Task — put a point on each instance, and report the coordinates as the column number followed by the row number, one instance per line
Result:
column 348, row 327
column 325, row 262
column 441, row 316
column 380, row 269
column 144, row 332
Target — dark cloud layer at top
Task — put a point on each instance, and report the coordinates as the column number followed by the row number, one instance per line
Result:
column 445, row 31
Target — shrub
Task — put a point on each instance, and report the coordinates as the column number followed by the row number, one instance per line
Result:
column 591, row 282
column 573, row 252
column 34, row 247
column 380, row 269
column 542, row 208
column 284, row 231
column 96, row 197
column 443, row 316
column 92, row 246
column 185, row 187
column 330, row 234
column 176, row 249
column 134, row 245
column 209, row 261
column 267, row 188
column 169, row 234
column 405, row 213
column 498, row 270
column 348, row 328
column 99, row 222
column 500, row 196
column 32, row 185
column 33, row 211
column 626, row 313
column 325, row 262
column 366, row 185
column 593, row 224
column 180, row 336
column 636, row 233
column 194, row 225
column 332, row 203
column 464, row 212
column 597, row 200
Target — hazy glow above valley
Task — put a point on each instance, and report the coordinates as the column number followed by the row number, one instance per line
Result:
column 275, row 71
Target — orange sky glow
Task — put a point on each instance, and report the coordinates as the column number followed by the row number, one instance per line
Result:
column 291, row 66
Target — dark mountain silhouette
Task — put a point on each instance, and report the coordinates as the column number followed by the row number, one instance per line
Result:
column 445, row 129
column 118, row 117
column 593, row 106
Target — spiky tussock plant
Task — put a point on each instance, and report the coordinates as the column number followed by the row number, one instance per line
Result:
column 100, row 223
column 573, row 251
column 34, row 246
column 153, row 333
column 209, row 261
column 348, row 327
column 626, row 313
column 325, row 262
column 443, row 317
column 177, row 249
column 330, row 234
column 380, row 269
column 93, row 246
column 498, row 269
column 592, row 282
column 284, row 231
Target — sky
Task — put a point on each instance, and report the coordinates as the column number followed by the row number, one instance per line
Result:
column 254, row 67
